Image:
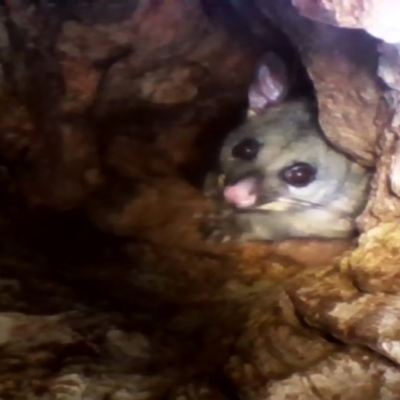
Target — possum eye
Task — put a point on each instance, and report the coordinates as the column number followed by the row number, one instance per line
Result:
column 247, row 149
column 299, row 174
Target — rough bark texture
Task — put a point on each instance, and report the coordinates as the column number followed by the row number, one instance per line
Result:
column 111, row 111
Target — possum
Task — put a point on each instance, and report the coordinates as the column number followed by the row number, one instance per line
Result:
column 280, row 175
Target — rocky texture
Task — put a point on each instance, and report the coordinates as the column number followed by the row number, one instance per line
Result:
column 375, row 16
column 84, row 75
column 236, row 331
column 384, row 205
column 108, row 110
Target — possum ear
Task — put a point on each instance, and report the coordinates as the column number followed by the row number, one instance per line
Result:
column 270, row 85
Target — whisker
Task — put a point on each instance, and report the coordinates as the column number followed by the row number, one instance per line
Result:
column 299, row 202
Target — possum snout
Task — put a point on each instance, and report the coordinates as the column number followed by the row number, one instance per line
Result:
column 242, row 194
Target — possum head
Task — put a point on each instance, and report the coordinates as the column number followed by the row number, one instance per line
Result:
column 279, row 160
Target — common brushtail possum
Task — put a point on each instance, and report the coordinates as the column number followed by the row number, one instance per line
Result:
column 280, row 175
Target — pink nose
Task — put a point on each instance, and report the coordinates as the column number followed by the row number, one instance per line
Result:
column 242, row 194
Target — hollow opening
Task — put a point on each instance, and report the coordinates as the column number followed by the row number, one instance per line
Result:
column 68, row 242
column 128, row 255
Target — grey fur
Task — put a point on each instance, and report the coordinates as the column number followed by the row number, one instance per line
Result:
column 326, row 208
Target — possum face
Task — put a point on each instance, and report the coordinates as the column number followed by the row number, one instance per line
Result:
column 278, row 160
column 280, row 157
